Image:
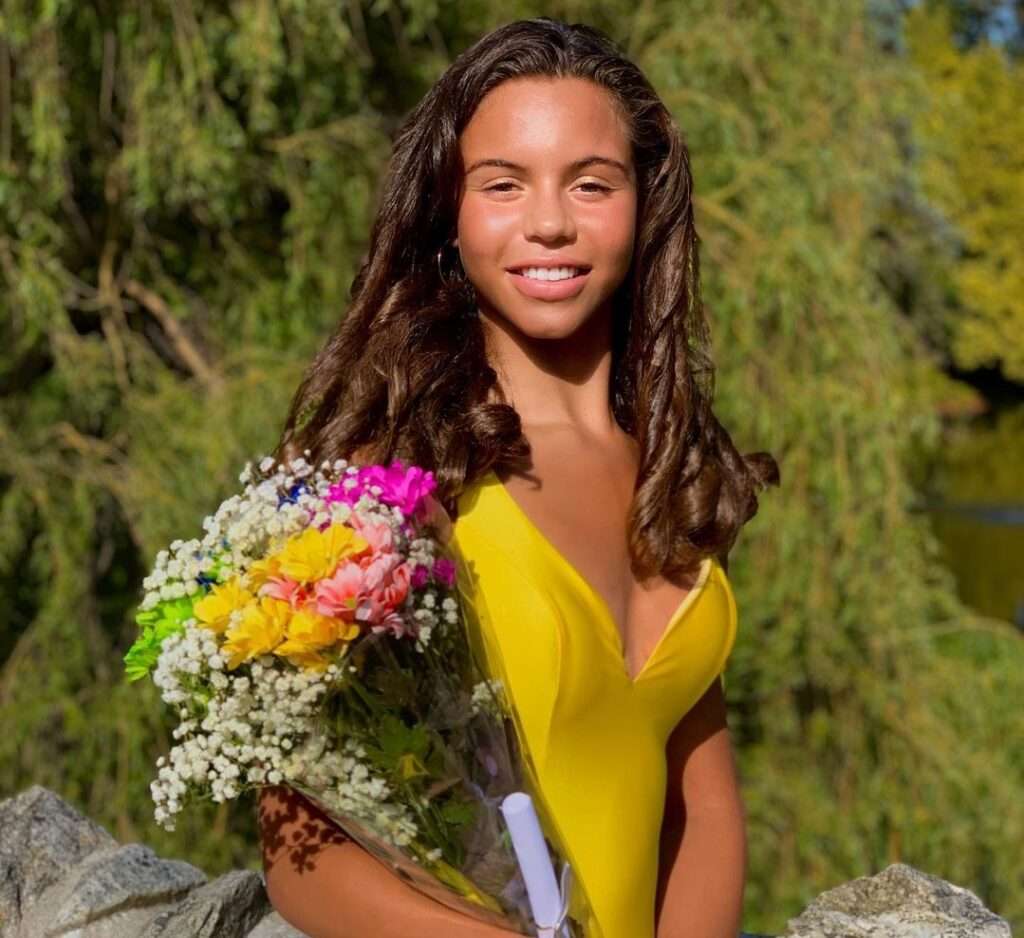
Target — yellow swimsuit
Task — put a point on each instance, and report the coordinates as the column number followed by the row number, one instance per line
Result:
column 594, row 739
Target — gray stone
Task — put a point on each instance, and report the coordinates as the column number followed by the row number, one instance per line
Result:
column 111, row 880
column 229, row 907
column 42, row 838
column 62, row 876
column 899, row 902
column 273, row 926
column 126, row 922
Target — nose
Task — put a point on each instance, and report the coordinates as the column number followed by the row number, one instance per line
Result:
column 548, row 215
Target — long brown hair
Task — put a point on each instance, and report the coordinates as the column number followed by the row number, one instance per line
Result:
column 405, row 374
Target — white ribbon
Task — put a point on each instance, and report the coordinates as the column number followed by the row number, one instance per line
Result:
column 559, row 928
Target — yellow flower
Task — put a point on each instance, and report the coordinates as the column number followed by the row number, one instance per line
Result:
column 461, row 883
column 214, row 610
column 410, row 765
column 262, row 629
column 309, row 661
column 308, row 630
column 314, row 554
column 347, row 630
column 260, row 571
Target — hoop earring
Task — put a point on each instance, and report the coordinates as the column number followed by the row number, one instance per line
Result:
column 460, row 274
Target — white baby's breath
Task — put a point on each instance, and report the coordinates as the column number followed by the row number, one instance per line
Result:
column 256, row 725
column 487, row 697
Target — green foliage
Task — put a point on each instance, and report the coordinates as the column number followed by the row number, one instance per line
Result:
column 186, row 189
column 969, row 128
column 160, row 622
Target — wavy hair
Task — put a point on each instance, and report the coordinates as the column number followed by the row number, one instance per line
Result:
column 405, row 374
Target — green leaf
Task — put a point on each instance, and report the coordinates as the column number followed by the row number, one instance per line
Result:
column 458, row 812
column 164, row 619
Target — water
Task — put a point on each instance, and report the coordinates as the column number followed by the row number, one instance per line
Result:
column 973, row 488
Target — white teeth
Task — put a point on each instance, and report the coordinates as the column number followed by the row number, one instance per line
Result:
column 549, row 273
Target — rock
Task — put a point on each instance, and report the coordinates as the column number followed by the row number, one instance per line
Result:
column 42, row 838
column 899, row 902
column 123, row 878
column 273, row 926
column 62, row 876
column 229, row 907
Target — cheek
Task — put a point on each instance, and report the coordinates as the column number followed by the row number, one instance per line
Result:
column 612, row 231
column 484, row 232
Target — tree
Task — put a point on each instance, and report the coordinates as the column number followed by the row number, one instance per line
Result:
column 970, row 164
column 186, row 190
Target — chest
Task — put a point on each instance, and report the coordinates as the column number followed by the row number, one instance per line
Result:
column 544, row 629
column 584, row 515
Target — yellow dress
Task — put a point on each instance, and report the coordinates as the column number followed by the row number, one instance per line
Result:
column 593, row 739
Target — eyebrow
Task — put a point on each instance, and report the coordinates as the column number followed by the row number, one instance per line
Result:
column 575, row 166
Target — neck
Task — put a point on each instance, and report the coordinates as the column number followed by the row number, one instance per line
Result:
column 560, row 381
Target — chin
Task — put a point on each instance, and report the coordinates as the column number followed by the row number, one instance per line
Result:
column 536, row 319
column 546, row 323
column 550, row 328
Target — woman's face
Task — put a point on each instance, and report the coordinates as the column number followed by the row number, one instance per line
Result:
column 549, row 182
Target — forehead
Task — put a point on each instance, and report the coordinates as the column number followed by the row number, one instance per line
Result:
column 534, row 119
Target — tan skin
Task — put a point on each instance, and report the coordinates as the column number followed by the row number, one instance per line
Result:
column 553, row 359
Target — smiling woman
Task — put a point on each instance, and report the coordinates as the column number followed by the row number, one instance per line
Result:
column 528, row 324
column 525, row 223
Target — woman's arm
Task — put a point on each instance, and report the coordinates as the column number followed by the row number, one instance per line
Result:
column 327, row 886
column 703, row 836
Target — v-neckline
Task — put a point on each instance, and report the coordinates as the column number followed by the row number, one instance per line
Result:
column 597, row 600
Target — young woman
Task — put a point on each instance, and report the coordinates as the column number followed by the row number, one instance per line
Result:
column 528, row 324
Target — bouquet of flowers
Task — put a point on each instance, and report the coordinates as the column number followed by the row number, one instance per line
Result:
column 312, row 638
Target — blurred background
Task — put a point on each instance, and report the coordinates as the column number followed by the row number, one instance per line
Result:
column 186, row 189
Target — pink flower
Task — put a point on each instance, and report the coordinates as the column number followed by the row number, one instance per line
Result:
column 444, row 571
column 393, row 623
column 404, row 487
column 285, row 589
column 380, row 537
column 386, row 587
column 377, row 569
column 338, row 594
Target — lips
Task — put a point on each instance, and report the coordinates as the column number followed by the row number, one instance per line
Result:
column 548, row 265
column 550, row 289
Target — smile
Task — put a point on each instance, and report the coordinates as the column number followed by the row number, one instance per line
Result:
column 549, row 283
column 549, row 273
